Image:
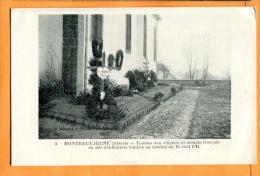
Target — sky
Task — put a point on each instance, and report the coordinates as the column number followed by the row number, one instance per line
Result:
column 202, row 32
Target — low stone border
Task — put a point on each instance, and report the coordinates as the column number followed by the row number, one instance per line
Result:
column 89, row 123
column 105, row 125
column 132, row 119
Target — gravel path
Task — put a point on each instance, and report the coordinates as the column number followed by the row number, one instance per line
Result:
column 170, row 120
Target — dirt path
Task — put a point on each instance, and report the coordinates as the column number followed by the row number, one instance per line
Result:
column 170, row 120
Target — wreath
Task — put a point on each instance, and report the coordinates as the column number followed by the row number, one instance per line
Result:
column 111, row 59
column 119, row 59
column 97, row 47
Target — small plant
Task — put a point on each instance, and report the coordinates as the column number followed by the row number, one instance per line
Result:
column 199, row 83
column 153, row 76
column 91, row 107
column 158, row 96
column 118, row 91
column 46, row 92
column 173, row 91
column 83, row 97
column 181, row 87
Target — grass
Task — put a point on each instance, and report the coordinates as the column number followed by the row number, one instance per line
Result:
column 211, row 116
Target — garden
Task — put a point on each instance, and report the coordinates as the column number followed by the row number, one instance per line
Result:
column 107, row 105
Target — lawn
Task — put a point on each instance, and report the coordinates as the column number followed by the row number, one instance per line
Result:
column 211, row 116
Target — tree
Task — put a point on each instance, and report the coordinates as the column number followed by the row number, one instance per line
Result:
column 164, row 69
column 205, row 67
column 192, row 65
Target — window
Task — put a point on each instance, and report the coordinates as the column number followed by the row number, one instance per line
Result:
column 145, row 37
column 155, row 43
column 97, row 27
column 128, row 32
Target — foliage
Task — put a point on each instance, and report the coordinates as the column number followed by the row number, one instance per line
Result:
column 111, row 112
column 83, row 97
column 152, row 79
column 94, row 80
column 50, row 83
column 158, row 96
column 114, row 113
column 118, row 91
column 140, row 80
column 181, row 87
column 199, row 83
column 119, row 59
column 173, row 91
column 162, row 84
column 111, row 60
column 93, row 102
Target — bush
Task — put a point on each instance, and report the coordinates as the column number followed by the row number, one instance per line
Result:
column 83, row 97
column 118, row 91
column 45, row 94
column 173, row 91
column 48, row 90
column 140, row 80
column 162, row 84
column 92, row 103
column 158, row 96
column 181, row 87
column 153, row 76
column 199, row 83
column 113, row 113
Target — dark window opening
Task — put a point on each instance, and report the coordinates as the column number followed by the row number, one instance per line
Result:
column 97, row 27
column 145, row 37
column 128, row 32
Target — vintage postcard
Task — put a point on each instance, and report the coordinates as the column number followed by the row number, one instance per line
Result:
column 133, row 86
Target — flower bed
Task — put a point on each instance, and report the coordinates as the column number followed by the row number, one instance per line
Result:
column 137, row 106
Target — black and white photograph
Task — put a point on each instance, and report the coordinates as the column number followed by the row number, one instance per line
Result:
column 178, row 80
column 135, row 76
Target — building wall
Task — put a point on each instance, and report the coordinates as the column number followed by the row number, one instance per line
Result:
column 66, row 44
column 70, row 51
column 151, row 23
column 50, row 43
column 114, row 38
